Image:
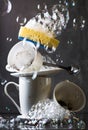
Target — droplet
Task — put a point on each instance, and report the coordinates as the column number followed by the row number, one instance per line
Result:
column 38, row 45
column 21, row 20
column 34, row 75
column 45, row 7
column 24, row 41
column 49, row 50
column 3, row 82
column 57, row 58
column 61, row 61
column 75, row 69
column 60, row 2
column 61, row 125
column 70, row 126
column 38, row 6
column 73, row 3
column 75, row 26
column 9, row 39
column 5, row 7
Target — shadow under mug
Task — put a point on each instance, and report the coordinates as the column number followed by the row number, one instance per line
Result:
column 69, row 95
column 30, row 92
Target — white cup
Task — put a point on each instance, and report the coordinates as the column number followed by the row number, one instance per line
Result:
column 30, row 92
column 69, row 95
column 24, row 57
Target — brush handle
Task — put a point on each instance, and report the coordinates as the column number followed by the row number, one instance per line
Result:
column 70, row 69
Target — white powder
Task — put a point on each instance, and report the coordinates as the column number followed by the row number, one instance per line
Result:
column 48, row 109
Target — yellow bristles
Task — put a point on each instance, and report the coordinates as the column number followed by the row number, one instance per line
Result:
column 38, row 36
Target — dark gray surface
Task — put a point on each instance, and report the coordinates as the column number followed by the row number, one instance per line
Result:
column 73, row 54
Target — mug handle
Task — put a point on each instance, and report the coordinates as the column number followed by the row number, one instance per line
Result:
column 7, row 94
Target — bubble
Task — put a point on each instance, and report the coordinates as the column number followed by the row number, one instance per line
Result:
column 5, row 7
column 75, row 69
column 7, row 108
column 79, row 23
column 81, row 125
column 69, row 42
column 21, row 20
column 64, row 2
column 58, row 56
column 9, row 39
column 3, row 82
column 59, row 59
column 82, row 22
column 69, row 3
column 70, row 126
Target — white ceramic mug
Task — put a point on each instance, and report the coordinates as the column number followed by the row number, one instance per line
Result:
column 30, row 92
column 69, row 95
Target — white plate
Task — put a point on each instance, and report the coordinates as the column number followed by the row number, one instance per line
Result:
column 45, row 72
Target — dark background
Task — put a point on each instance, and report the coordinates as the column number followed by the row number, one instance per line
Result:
column 73, row 47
